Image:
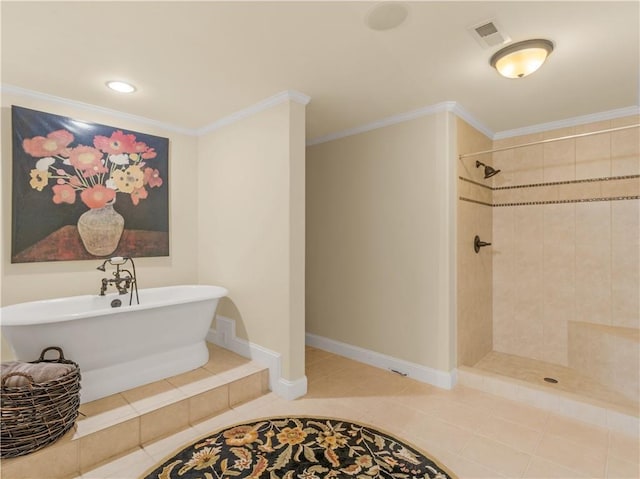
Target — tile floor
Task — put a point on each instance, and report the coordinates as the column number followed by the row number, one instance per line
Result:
column 471, row 432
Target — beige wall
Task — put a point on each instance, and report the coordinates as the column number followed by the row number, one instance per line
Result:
column 378, row 240
column 570, row 262
column 251, row 227
column 607, row 354
column 475, row 279
column 30, row 281
column 236, row 219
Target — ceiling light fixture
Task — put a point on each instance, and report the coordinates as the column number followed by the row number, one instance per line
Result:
column 121, row 86
column 521, row 59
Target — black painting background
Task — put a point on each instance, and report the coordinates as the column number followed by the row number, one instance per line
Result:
column 35, row 215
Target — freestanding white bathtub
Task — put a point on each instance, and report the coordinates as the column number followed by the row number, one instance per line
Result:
column 118, row 348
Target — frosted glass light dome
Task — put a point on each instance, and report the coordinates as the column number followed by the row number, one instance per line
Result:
column 522, row 58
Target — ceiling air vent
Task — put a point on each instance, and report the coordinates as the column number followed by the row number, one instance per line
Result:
column 488, row 34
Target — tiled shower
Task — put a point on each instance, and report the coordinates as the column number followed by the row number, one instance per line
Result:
column 555, row 300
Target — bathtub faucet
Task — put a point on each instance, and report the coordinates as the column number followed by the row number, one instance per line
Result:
column 123, row 279
column 121, row 284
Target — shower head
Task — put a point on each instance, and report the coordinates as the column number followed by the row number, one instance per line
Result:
column 115, row 261
column 488, row 170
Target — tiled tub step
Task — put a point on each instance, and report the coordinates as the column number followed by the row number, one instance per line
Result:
column 118, row 424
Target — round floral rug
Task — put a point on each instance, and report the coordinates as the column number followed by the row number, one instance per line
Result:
column 299, row 448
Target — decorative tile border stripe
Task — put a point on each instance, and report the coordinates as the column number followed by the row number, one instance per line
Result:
column 550, row 183
column 568, row 182
column 556, row 202
column 462, row 198
column 550, row 202
column 475, row 183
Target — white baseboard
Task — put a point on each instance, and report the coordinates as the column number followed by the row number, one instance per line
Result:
column 418, row 372
column 225, row 336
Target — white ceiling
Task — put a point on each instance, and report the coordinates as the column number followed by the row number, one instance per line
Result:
column 197, row 62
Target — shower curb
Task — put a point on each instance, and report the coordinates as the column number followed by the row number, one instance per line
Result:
column 593, row 412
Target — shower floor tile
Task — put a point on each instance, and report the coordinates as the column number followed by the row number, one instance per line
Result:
column 534, row 372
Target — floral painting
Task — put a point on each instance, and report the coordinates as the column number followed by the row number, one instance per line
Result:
column 84, row 190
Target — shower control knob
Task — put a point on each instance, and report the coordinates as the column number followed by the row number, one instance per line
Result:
column 477, row 244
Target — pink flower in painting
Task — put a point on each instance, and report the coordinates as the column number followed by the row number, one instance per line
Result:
column 88, row 160
column 75, row 181
column 138, row 194
column 55, row 143
column 150, row 153
column 140, row 147
column 64, row 193
column 117, row 143
column 152, row 177
column 97, row 196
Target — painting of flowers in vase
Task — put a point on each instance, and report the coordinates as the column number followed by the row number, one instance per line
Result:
column 84, row 190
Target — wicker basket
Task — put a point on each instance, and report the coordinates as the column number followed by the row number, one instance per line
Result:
column 37, row 414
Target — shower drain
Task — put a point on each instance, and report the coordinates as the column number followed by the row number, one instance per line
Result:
column 551, row 380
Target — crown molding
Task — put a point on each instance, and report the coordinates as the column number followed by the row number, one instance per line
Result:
column 575, row 121
column 298, row 97
column 288, row 95
column 4, row 88
column 450, row 106
column 384, row 122
column 459, row 111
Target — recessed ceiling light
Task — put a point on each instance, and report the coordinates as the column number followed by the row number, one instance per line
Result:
column 387, row 15
column 121, row 86
column 521, row 59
